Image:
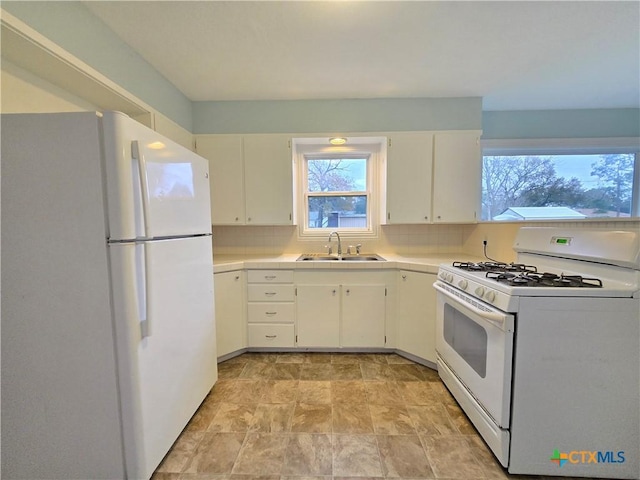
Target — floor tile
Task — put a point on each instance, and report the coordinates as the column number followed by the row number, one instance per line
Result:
column 256, row 370
column 451, row 456
column 216, row 453
column 279, row 391
column 431, row 419
column 181, row 452
column 308, row 454
column 351, row 418
column 233, row 417
column 403, row 456
column 346, row 372
column 383, row 393
column 315, row 371
column 272, row 417
column 391, row 420
column 356, row 455
column 314, row 391
column 418, row 393
column 329, row 416
column 376, row 371
column 245, row 391
column 203, row 416
column 311, row 418
column 262, row 454
column 348, row 391
column 286, row 371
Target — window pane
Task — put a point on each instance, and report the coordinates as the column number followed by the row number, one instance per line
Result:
column 557, row 186
column 337, row 211
column 337, row 175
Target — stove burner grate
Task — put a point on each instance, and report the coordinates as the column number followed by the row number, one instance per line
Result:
column 535, row 279
column 494, row 267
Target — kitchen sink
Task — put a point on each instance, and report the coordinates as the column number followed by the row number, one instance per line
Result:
column 319, row 257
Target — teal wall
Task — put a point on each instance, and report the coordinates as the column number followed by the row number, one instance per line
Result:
column 349, row 115
column 73, row 27
column 588, row 123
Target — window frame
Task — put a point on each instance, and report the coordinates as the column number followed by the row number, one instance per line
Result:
column 569, row 146
column 314, row 149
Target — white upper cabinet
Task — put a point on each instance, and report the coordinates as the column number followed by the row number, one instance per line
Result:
column 250, row 177
column 226, row 177
column 409, row 169
column 457, row 165
column 268, row 179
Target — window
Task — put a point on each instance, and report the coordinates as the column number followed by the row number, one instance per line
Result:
column 338, row 187
column 336, row 193
column 531, row 185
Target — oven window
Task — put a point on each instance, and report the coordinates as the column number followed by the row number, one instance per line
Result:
column 467, row 338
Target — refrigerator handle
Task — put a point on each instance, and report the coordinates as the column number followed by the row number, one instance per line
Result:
column 142, row 175
column 142, row 286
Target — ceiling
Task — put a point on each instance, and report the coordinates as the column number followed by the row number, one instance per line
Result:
column 517, row 55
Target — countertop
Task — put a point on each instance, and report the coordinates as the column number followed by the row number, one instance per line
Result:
column 428, row 263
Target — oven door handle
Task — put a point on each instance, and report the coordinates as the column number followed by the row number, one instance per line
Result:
column 493, row 316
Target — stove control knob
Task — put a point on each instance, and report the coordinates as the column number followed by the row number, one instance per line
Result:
column 442, row 276
column 449, row 278
column 490, row 296
column 463, row 284
column 480, row 291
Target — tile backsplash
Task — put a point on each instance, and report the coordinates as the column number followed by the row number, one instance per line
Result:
column 400, row 239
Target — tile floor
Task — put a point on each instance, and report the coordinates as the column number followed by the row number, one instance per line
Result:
column 324, row 416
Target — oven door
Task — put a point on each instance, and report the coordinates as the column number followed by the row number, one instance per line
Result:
column 475, row 342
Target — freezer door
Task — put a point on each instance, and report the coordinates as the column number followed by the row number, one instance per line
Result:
column 155, row 187
column 163, row 297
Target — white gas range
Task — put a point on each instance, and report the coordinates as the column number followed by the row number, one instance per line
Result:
column 543, row 354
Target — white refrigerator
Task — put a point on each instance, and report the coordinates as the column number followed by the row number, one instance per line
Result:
column 108, row 330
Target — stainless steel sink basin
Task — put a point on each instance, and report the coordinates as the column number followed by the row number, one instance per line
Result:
column 315, row 257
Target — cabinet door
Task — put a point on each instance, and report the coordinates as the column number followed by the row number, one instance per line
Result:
column 318, row 315
column 226, row 177
column 416, row 319
column 457, row 169
column 409, row 169
column 268, row 179
column 363, row 316
column 230, row 308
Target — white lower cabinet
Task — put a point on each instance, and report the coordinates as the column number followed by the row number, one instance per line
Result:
column 363, row 316
column 416, row 317
column 318, row 315
column 341, row 310
column 231, row 326
column 270, row 308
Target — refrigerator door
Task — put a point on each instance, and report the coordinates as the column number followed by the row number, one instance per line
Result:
column 155, row 187
column 163, row 301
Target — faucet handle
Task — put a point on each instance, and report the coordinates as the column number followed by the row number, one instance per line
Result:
column 358, row 247
column 349, row 249
column 330, row 249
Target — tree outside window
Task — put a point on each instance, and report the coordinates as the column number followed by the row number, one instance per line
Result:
column 591, row 185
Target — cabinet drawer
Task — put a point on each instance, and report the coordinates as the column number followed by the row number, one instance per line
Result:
column 268, row 335
column 270, row 276
column 270, row 293
column 270, row 312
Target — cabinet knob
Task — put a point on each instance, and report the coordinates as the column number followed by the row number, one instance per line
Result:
column 426, row 217
column 237, row 219
column 249, row 219
column 237, row 277
column 404, row 277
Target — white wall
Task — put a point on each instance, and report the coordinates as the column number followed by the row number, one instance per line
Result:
column 23, row 92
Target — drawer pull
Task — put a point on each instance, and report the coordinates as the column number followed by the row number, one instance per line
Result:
column 269, row 294
column 270, row 314
column 271, row 336
column 269, row 277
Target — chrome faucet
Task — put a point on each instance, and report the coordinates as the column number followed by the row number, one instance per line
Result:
column 339, row 243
